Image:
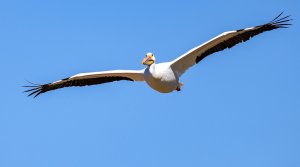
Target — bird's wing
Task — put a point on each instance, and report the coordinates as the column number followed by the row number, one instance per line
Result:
column 86, row 79
column 225, row 40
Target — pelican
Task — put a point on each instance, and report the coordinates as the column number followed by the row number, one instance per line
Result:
column 164, row 77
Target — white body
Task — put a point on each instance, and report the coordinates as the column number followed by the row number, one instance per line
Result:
column 161, row 77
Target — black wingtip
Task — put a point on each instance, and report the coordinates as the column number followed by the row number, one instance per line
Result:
column 277, row 16
column 33, row 89
column 281, row 21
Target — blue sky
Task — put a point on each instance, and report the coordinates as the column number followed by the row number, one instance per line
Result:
column 239, row 107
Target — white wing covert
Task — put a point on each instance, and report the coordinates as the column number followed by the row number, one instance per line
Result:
column 225, row 40
column 86, row 79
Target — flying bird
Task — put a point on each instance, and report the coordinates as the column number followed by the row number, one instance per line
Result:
column 164, row 77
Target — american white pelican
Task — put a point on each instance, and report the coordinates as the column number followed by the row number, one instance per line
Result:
column 164, row 77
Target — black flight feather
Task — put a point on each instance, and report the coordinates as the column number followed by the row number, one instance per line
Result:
column 245, row 34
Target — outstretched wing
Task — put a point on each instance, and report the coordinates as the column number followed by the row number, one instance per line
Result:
column 86, row 79
column 225, row 40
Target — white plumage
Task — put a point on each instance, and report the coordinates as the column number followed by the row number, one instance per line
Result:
column 164, row 77
column 161, row 77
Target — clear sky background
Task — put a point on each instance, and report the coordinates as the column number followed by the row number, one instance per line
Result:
column 239, row 107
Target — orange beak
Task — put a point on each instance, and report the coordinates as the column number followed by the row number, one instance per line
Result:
column 145, row 60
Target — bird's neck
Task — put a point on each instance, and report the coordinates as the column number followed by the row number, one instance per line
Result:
column 151, row 67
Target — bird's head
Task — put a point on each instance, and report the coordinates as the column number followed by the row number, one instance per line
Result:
column 149, row 59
